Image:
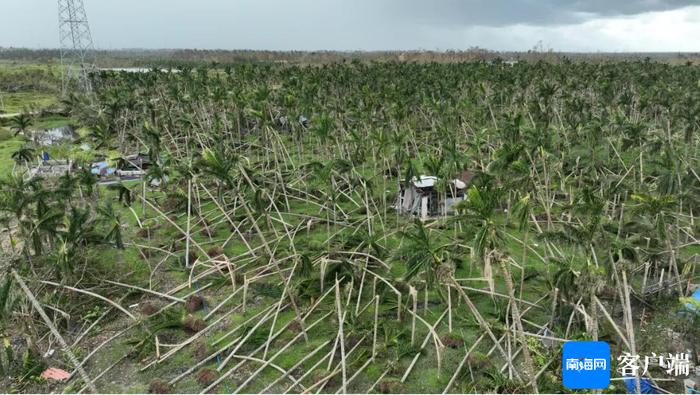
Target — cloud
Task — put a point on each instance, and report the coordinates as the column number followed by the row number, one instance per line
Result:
column 566, row 25
column 528, row 12
column 660, row 31
column 628, row 7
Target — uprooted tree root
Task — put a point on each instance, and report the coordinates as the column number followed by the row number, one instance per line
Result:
column 391, row 387
column 159, row 386
column 194, row 324
column 194, row 303
column 206, row 376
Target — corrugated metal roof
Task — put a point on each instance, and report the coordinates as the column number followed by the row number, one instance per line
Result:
column 429, row 181
column 424, row 181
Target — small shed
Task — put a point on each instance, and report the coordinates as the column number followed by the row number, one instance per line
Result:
column 138, row 161
column 133, row 165
column 421, row 198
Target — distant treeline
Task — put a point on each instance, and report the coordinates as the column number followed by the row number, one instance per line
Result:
column 160, row 57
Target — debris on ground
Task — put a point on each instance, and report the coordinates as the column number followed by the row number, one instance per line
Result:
column 55, row 374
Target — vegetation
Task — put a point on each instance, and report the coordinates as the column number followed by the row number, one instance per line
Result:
column 579, row 224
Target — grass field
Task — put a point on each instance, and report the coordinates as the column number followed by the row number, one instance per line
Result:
column 26, row 86
column 27, row 102
column 8, row 145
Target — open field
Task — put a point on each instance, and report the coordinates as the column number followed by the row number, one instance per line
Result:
column 18, row 102
column 28, row 86
column 271, row 257
column 8, row 145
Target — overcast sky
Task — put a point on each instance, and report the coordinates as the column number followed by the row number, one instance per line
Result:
column 563, row 25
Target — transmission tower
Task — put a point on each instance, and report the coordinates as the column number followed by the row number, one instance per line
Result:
column 77, row 49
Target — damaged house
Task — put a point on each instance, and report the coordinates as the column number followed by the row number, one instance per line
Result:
column 422, row 198
column 133, row 165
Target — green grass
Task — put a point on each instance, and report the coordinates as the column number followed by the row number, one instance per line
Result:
column 5, row 134
column 7, row 147
column 19, row 66
column 50, row 122
column 43, row 80
column 27, row 101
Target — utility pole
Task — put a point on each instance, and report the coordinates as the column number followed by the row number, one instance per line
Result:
column 77, row 49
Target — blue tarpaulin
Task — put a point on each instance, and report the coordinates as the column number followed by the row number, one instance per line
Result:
column 102, row 169
column 645, row 386
column 696, row 297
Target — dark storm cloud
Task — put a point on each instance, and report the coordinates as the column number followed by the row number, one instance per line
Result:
column 628, row 7
column 529, row 12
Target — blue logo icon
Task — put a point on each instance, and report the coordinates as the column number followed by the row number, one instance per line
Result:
column 586, row 365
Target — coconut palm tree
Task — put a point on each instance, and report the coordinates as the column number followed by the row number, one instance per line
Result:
column 88, row 181
column 124, row 194
column 101, row 135
column 422, row 253
column 220, row 165
column 114, row 225
column 17, row 194
column 478, row 212
column 23, row 155
column 21, row 124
